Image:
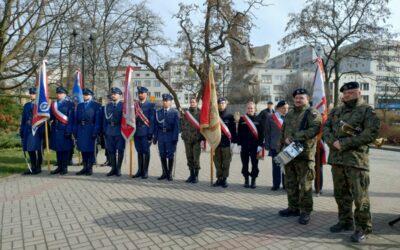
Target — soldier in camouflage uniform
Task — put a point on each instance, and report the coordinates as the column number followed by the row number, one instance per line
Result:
column 302, row 124
column 192, row 138
column 349, row 159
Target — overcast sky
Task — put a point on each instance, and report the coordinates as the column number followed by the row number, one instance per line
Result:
column 271, row 20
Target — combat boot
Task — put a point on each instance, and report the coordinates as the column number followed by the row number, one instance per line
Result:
column 304, row 218
column 170, row 168
column 289, row 212
column 164, row 169
column 224, row 183
column 146, row 166
column 38, row 167
column 113, row 164
column 340, row 227
column 89, row 168
column 246, row 182
column 190, row 179
column 140, row 167
column 196, row 176
column 119, row 164
column 358, row 236
column 253, row 182
column 83, row 170
column 218, row 182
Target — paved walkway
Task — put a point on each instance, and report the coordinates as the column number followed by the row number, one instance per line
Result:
column 71, row 212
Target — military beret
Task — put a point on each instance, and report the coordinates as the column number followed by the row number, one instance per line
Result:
column 221, row 99
column 300, row 91
column 32, row 90
column 61, row 89
column 87, row 91
column 349, row 85
column 115, row 90
column 270, row 103
column 142, row 89
column 167, row 97
column 281, row 104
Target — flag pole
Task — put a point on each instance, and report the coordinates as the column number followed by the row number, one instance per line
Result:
column 130, row 157
column 211, row 165
column 47, row 146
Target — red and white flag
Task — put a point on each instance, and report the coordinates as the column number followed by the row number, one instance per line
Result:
column 128, row 123
column 41, row 109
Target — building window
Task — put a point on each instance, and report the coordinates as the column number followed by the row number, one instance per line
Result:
column 147, row 83
column 157, row 83
column 147, row 74
column 157, row 94
column 364, row 86
column 266, row 78
column 137, row 74
column 138, row 83
column 366, row 98
column 278, row 88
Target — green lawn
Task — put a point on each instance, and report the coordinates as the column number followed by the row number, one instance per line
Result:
column 12, row 161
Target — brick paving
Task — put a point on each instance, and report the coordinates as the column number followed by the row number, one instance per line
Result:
column 98, row 212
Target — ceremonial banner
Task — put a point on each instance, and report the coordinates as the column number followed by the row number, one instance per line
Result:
column 41, row 109
column 128, row 123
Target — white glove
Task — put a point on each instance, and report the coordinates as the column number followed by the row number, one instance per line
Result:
column 233, row 145
column 259, row 149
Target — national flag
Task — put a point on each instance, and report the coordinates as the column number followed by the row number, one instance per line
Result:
column 77, row 94
column 210, row 126
column 41, row 109
column 128, row 123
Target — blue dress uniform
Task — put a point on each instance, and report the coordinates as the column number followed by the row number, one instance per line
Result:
column 61, row 133
column 112, row 130
column 31, row 143
column 166, row 132
column 144, row 135
column 87, row 127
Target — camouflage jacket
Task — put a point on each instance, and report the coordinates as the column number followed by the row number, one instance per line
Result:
column 354, row 149
column 307, row 136
column 190, row 133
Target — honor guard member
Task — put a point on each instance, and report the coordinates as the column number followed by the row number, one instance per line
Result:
column 115, row 143
column 31, row 142
column 251, row 140
column 87, row 128
column 223, row 153
column 102, row 136
column 348, row 156
column 192, row 137
column 273, row 126
column 166, row 133
column 302, row 124
column 145, row 112
column 62, row 122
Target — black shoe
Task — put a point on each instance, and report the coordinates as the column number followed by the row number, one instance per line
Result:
column 339, row 227
column 57, row 170
column 37, row 170
column 274, row 189
column 196, row 176
column 170, row 168
column 224, row 183
column 106, row 163
column 190, row 178
column 27, row 172
column 253, row 183
column 83, row 170
column 304, row 218
column 164, row 169
column 64, row 170
column 113, row 164
column 146, row 166
column 358, row 236
column 89, row 170
column 288, row 212
column 139, row 173
column 217, row 183
column 246, row 182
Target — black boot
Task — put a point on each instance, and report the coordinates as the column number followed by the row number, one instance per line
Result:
column 140, row 167
column 58, row 169
column 253, row 182
column 224, row 183
column 170, row 168
column 146, row 166
column 196, row 176
column 119, row 164
column 38, row 167
column 89, row 168
column 246, row 182
column 190, row 178
column 113, row 164
column 164, row 169
column 64, row 169
column 218, row 182
column 83, row 170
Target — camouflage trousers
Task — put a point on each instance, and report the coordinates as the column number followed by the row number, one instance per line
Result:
column 222, row 161
column 193, row 150
column 299, row 175
column 351, row 185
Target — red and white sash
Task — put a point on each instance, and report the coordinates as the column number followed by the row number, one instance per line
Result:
column 225, row 129
column 58, row 114
column 192, row 119
column 140, row 114
column 251, row 126
column 277, row 121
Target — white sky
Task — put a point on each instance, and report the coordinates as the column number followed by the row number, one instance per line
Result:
column 271, row 20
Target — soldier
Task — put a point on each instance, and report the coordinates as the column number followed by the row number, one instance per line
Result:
column 192, row 138
column 223, row 153
column 87, row 128
column 273, row 126
column 302, row 124
column 251, row 139
column 31, row 142
column 115, row 143
column 166, row 133
column 349, row 159
column 62, row 121
column 102, row 136
column 144, row 132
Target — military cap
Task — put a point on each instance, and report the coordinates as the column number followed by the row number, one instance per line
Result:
column 115, row 90
column 32, row 90
column 270, row 103
column 349, row 85
column 142, row 89
column 87, row 91
column 281, row 104
column 221, row 99
column 61, row 89
column 300, row 91
column 167, row 97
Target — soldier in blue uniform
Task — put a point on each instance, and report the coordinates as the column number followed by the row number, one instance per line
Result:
column 87, row 128
column 144, row 132
column 166, row 133
column 115, row 143
column 62, row 120
column 31, row 142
